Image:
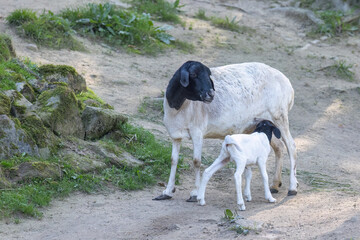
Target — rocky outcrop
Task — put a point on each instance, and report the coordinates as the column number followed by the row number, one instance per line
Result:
column 98, row 121
column 31, row 170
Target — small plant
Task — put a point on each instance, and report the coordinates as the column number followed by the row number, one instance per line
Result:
column 161, row 9
column 226, row 23
column 334, row 24
column 341, row 69
column 201, row 15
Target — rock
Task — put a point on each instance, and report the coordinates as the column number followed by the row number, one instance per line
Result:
column 5, row 104
column 4, row 183
column 32, row 47
column 30, row 170
column 6, row 48
column 40, row 85
column 82, row 163
column 26, row 90
column 58, row 109
column 14, row 140
column 98, row 121
column 63, row 74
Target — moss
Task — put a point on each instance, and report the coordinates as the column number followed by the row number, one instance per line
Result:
column 49, row 69
column 6, row 49
column 37, row 130
column 89, row 98
column 5, row 104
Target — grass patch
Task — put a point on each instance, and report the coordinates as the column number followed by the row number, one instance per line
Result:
column 335, row 24
column 11, row 73
column 201, row 15
column 151, row 109
column 161, row 10
column 119, row 27
column 47, row 29
column 323, row 182
column 341, row 70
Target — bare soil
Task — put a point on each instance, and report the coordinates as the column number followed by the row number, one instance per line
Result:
column 325, row 122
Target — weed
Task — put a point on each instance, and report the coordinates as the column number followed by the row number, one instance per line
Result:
column 334, row 24
column 184, row 46
column 201, row 15
column 340, row 69
column 161, row 9
column 119, row 27
column 226, row 23
column 21, row 16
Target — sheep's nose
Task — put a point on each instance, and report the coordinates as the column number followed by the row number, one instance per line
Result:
column 211, row 93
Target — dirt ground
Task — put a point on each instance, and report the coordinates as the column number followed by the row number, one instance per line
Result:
column 325, row 122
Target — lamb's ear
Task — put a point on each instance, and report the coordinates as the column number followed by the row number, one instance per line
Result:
column 276, row 132
column 184, row 77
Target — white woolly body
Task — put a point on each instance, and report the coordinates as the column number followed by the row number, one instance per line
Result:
column 242, row 92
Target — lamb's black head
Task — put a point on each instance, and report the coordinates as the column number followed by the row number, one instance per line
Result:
column 268, row 128
column 191, row 81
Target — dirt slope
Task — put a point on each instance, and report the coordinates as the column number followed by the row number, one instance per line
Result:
column 325, row 122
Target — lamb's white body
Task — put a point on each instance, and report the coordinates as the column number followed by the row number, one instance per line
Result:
column 245, row 150
column 243, row 92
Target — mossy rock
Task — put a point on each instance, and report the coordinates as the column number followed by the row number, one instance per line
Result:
column 26, row 90
column 31, row 170
column 4, row 183
column 14, row 140
column 5, row 104
column 58, row 109
column 98, row 121
column 82, row 162
column 6, row 48
column 63, row 74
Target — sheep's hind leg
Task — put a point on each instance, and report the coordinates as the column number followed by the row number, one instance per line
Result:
column 170, row 188
column 277, row 146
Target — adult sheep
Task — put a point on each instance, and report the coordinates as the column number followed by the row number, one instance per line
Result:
column 244, row 93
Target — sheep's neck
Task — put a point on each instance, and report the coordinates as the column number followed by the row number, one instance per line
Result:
column 175, row 96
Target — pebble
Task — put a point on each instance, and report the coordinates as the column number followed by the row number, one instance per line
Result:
column 32, row 47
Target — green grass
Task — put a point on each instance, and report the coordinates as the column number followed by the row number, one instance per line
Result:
column 119, row 27
column 226, row 23
column 201, row 15
column 47, row 29
column 335, row 24
column 11, row 73
column 341, row 70
column 160, row 10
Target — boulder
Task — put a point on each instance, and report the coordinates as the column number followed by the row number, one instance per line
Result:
column 31, row 170
column 98, row 121
column 6, row 48
column 14, row 140
column 4, row 183
column 58, row 109
column 63, row 74
column 26, row 90
column 5, row 104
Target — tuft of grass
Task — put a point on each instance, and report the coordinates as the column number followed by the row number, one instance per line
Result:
column 342, row 70
column 11, row 73
column 119, row 27
column 335, row 24
column 47, row 29
column 160, row 9
column 201, row 15
column 226, row 23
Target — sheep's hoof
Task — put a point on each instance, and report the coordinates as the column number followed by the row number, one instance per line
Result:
column 274, row 190
column 162, row 197
column 192, row 199
column 292, row 192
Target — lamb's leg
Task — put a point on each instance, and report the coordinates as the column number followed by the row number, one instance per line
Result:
column 277, row 146
column 220, row 162
column 265, row 177
column 170, row 188
column 197, row 140
column 247, row 191
column 240, row 167
column 283, row 125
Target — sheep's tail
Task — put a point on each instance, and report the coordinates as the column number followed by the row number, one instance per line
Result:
column 231, row 144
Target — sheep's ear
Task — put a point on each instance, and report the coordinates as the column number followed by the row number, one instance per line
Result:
column 184, row 77
column 277, row 132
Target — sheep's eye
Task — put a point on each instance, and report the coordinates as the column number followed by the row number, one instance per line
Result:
column 193, row 75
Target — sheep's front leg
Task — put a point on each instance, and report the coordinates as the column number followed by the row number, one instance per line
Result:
column 197, row 139
column 170, row 188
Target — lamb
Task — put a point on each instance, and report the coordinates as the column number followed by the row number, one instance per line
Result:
column 244, row 92
column 245, row 150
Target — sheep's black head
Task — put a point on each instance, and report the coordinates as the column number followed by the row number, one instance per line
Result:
column 268, row 128
column 191, row 81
